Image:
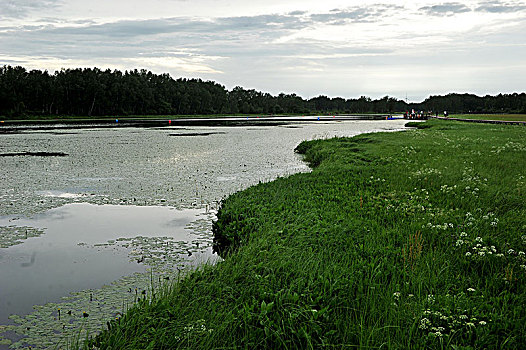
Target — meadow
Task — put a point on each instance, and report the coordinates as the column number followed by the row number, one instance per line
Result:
column 504, row 117
column 405, row 240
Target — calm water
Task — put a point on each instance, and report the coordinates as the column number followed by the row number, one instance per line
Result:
column 66, row 257
column 115, row 185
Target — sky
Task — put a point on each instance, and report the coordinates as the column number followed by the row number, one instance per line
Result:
column 407, row 50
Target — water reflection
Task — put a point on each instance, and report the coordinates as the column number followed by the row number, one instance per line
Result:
column 45, row 268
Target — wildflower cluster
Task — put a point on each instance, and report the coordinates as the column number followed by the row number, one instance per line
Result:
column 440, row 322
column 373, row 179
column 406, row 203
column 448, row 189
column 409, row 150
column 478, row 218
column 510, row 145
column 469, row 177
column 519, row 256
column 475, row 248
column 445, row 226
column 490, row 217
column 427, row 172
column 197, row 328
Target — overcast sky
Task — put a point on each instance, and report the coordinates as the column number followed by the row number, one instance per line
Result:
column 309, row 47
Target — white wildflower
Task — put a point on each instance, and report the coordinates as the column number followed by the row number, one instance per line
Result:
column 468, row 254
column 424, row 323
column 471, row 289
column 482, row 323
column 478, row 239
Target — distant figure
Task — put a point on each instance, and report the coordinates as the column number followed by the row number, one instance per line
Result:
column 445, row 114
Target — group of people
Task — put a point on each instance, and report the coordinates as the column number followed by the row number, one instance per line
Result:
column 420, row 114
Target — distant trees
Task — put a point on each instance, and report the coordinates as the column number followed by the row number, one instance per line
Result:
column 469, row 103
column 95, row 92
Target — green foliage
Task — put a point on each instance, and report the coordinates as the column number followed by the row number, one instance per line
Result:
column 93, row 92
column 418, row 125
column 412, row 240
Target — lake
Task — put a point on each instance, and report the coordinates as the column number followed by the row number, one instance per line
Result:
column 93, row 219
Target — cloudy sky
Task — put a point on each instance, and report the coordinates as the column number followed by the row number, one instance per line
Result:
column 309, row 47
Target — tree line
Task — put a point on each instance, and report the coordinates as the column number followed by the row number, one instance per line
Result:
column 96, row 92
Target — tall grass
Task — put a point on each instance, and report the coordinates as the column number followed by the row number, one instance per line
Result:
column 505, row 117
column 404, row 240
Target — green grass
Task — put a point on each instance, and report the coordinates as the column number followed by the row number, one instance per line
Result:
column 408, row 240
column 505, row 117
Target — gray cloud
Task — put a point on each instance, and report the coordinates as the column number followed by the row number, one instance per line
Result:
column 500, row 7
column 355, row 14
column 297, row 13
column 444, row 9
column 249, row 52
column 20, row 8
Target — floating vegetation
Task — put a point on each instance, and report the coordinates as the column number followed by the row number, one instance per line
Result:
column 34, row 154
column 13, row 235
column 85, row 312
column 198, row 134
column 88, row 311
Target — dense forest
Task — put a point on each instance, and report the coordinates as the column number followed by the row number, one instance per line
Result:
column 95, row 92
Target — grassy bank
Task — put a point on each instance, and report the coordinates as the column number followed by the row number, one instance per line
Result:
column 395, row 240
column 504, row 117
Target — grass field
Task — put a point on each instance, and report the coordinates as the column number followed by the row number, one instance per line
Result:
column 505, row 117
column 407, row 240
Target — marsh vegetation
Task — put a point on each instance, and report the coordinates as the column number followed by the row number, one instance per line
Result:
column 397, row 240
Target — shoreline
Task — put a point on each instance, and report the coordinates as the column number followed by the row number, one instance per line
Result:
column 404, row 240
